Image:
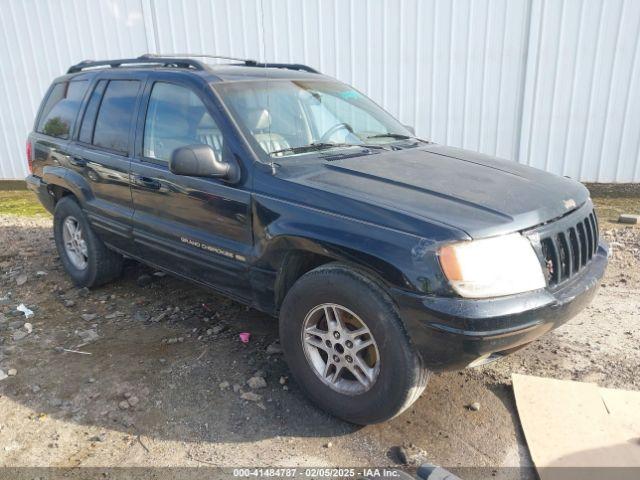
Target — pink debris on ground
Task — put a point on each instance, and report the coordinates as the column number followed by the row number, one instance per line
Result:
column 244, row 337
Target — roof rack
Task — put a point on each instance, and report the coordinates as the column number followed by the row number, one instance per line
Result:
column 288, row 66
column 141, row 60
column 181, row 60
column 246, row 62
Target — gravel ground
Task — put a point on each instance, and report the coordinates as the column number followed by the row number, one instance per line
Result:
column 149, row 371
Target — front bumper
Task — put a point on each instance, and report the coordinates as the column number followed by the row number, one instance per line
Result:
column 452, row 333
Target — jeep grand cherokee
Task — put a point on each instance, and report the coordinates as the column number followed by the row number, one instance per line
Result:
column 385, row 256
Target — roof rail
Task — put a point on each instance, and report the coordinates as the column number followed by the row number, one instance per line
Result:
column 141, row 60
column 182, row 60
column 245, row 61
column 288, row 66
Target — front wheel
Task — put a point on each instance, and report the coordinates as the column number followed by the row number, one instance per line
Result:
column 347, row 348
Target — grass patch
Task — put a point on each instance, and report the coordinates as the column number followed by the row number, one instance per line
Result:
column 612, row 199
column 609, row 208
column 23, row 203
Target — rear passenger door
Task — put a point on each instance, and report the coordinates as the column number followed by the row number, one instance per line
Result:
column 198, row 227
column 102, row 155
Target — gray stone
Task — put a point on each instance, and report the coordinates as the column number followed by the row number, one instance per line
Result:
column 69, row 303
column 629, row 219
column 252, row 397
column 141, row 316
column 411, row 455
column 19, row 335
column 218, row 329
column 3, row 375
column 89, row 335
column 274, row 349
column 256, row 383
column 21, row 279
column 144, row 280
column 161, row 316
column 12, row 372
column 89, row 317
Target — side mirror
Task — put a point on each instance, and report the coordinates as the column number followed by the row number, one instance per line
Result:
column 411, row 129
column 201, row 161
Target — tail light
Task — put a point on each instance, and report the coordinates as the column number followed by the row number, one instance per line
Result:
column 29, row 156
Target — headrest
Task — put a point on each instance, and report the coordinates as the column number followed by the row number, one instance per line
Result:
column 260, row 119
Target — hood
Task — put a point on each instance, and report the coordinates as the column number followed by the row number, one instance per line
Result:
column 478, row 194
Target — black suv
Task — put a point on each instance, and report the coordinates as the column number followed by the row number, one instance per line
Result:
column 385, row 256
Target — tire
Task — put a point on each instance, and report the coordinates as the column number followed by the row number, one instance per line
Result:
column 399, row 375
column 101, row 265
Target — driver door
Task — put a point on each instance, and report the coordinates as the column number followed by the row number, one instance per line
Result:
column 196, row 227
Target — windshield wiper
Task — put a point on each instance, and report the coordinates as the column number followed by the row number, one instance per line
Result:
column 320, row 146
column 397, row 136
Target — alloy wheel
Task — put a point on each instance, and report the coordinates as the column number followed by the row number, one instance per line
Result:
column 340, row 349
column 75, row 245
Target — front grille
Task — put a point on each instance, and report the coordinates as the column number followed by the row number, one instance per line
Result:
column 568, row 250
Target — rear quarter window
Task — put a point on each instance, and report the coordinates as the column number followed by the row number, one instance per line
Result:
column 61, row 108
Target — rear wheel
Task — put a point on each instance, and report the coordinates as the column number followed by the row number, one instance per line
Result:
column 347, row 348
column 84, row 256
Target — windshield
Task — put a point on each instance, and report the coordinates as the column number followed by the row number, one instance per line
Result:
column 292, row 117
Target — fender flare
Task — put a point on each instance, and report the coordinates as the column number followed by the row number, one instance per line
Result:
column 69, row 180
column 286, row 254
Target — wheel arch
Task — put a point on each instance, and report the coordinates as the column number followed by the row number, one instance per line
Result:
column 301, row 255
column 62, row 182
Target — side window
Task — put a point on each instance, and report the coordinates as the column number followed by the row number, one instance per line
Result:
column 177, row 117
column 88, row 121
column 61, row 107
column 115, row 116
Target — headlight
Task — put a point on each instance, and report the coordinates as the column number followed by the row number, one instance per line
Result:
column 492, row 267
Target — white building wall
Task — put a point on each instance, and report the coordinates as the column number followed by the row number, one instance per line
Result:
column 550, row 83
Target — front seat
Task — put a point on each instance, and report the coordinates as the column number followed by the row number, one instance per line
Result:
column 270, row 142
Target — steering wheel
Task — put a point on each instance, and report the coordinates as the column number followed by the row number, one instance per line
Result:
column 333, row 130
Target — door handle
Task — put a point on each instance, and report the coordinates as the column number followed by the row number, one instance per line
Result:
column 78, row 162
column 147, row 182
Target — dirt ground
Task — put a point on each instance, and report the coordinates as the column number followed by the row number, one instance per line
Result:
column 149, row 371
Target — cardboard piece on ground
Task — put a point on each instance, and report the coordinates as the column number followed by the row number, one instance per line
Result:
column 568, row 424
column 624, row 407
